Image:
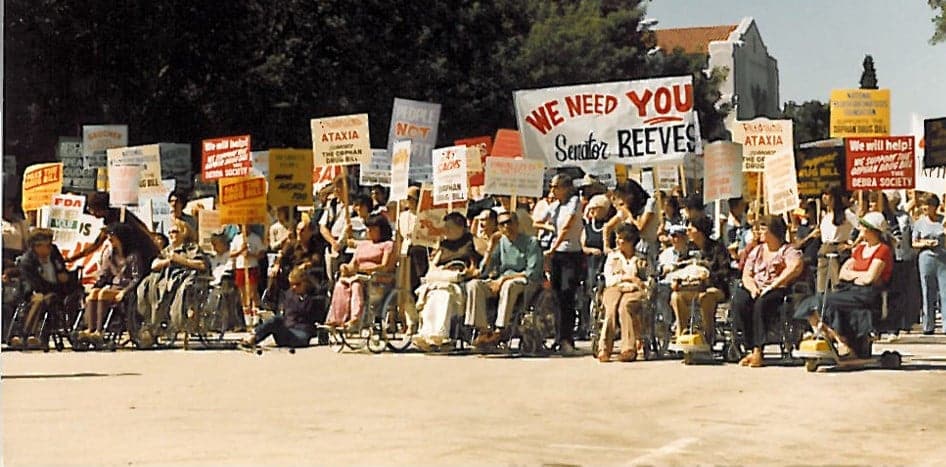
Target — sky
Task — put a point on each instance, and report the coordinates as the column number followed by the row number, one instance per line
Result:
column 820, row 45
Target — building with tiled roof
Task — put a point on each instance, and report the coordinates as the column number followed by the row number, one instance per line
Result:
column 751, row 84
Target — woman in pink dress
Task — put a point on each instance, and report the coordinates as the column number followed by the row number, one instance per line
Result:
column 374, row 255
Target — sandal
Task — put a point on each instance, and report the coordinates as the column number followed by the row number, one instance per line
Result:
column 627, row 356
column 604, row 356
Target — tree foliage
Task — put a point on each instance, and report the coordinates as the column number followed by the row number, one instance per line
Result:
column 811, row 120
column 182, row 71
column 939, row 21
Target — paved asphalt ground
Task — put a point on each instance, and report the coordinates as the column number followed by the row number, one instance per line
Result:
column 318, row 407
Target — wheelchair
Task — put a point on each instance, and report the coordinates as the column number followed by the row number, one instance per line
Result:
column 55, row 321
column 533, row 328
column 782, row 329
column 656, row 320
column 205, row 315
column 120, row 319
column 383, row 324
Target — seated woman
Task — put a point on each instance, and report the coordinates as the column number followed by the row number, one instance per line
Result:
column 623, row 296
column 122, row 270
column 848, row 310
column 718, row 262
column 295, row 325
column 302, row 252
column 48, row 283
column 163, row 295
column 224, row 294
column 374, row 255
column 770, row 269
column 455, row 259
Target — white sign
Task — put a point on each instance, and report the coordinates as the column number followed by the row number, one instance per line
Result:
column 86, row 234
column 342, row 140
column 604, row 172
column 123, row 181
column 400, row 168
column 761, row 138
column 781, row 182
column 450, row 178
column 624, row 122
column 668, row 177
column 260, row 164
column 378, row 171
column 722, row 165
column 514, row 177
column 97, row 139
column 64, row 216
column 416, row 121
column 148, row 158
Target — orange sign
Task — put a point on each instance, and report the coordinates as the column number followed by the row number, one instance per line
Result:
column 507, row 144
column 40, row 183
column 243, row 200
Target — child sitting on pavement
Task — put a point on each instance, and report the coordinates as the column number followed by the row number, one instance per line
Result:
column 295, row 326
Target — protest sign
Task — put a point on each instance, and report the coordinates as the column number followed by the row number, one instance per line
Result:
column 123, row 185
column 880, row 163
column 40, row 183
column 340, row 140
column 929, row 179
column 325, row 174
column 198, row 205
column 603, row 172
column 289, row 183
column 97, row 139
column 450, row 179
column 934, row 137
column 668, row 177
column 781, row 182
column 400, row 168
column 416, row 121
column 820, row 168
column 176, row 165
column 508, row 143
column 860, row 112
column 225, row 157
column 484, row 146
column 85, row 235
column 514, row 177
column 242, row 200
column 761, row 138
column 627, row 122
column 260, row 164
column 208, row 222
column 147, row 157
column 378, row 170
column 429, row 227
column 722, row 162
column 64, row 214
column 75, row 177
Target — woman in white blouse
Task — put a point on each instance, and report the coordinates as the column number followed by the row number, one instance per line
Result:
column 835, row 229
column 623, row 296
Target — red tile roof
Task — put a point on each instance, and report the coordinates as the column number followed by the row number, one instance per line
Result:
column 692, row 40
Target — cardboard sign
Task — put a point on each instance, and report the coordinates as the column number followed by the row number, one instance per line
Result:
column 323, row 175
column 199, row 205
column 761, row 138
column 40, row 183
column 400, row 169
column 604, row 172
column 882, row 163
column 260, row 164
column 934, row 137
column 123, row 183
column 176, row 165
column 722, row 162
column 627, row 121
column 450, row 178
column 97, row 139
column 289, row 183
column 85, row 234
column 378, row 170
column 820, row 168
column 208, row 222
column 64, row 214
column 668, row 177
column 429, row 228
column 416, row 121
column 340, row 140
column 75, row 177
column 508, row 144
column 483, row 146
column 514, row 177
column 226, row 157
column 860, row 112
column 781, row 182
column 147, row 157
column 242, row 200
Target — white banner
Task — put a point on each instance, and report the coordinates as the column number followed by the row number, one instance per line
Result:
column 450, row 178
column 722, row 165
column 400, row 168
column 761, row 138
column 514, row 177
column 416, row 121
column 378, row 170
column 627, row 122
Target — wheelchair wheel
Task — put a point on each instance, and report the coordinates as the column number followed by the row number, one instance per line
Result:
column 394, row 330
column 375, row 341
column 336, row 342
column 355, row 340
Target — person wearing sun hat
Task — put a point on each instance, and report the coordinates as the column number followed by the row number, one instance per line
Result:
column 847, row 310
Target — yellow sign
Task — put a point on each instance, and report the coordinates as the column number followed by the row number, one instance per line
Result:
column 243, row 200
column 40, row 183
column 290, row 177
column 860, row 112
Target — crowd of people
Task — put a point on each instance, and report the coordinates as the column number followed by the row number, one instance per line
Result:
column 582, row 242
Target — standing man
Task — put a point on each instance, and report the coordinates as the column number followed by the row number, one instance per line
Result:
column 565, row 254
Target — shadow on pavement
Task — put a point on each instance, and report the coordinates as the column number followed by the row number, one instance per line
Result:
column 68, row 375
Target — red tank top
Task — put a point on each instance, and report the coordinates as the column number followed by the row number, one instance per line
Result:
column 882, row 253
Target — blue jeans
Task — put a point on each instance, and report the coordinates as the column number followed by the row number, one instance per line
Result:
column 283, row 335
column 932, row 280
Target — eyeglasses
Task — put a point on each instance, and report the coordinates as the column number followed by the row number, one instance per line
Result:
column 173, row 232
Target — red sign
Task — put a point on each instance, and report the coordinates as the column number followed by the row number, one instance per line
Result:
column 225, row 157
column 507, row 144
column 485, row 143
column 880, row 163
column 322, row 174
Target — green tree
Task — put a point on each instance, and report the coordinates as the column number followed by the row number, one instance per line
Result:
column 939, row 21
column 811, row 120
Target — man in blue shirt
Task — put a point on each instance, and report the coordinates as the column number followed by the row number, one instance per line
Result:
column 513, row 270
